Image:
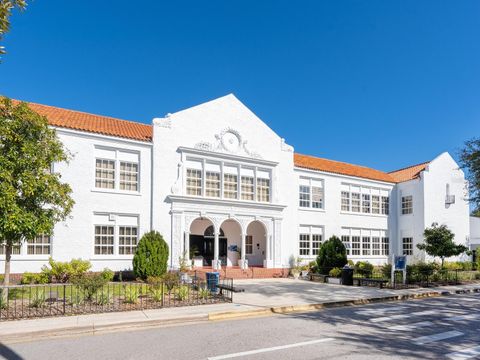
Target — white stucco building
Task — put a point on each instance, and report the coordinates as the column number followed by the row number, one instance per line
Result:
column 218, row 183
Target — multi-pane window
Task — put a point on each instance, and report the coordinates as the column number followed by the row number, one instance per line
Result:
column 39, row 246
column 317, row 197
column 128, row 176
column 407, row 243
column 345, row 201
column 15, row 249
column 385, row 205
column 365, row 203
column 375, row 204
column 248, row 188
column 104, row 240
column 127, row 240
column 385, row 246
column 194, row 182
column 366, row 245
column 212, row 184
column 105, row 174
column 230, row 186
column 316, row 242
column 355, row 202
column 263, row 190
column 304, row 245
column 376, row 248
column 346, row 243
column 355, row 245
column 407, row 204
column 249, row 245
column 304, row 196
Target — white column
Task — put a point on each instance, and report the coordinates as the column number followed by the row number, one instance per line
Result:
column 268, row 263
column 243, row 263
column 187, row 246
column 216, row 262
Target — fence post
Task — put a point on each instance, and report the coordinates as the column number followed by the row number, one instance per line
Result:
column 163, row 294
column 64, row 297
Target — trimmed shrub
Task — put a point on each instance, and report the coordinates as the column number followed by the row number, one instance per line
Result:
column 151, row 256
column 90, row 284
column 107, row 274
column 364, row 268
column 65, row 271
column 335, row 272
column 31, row 278
column 332, row 253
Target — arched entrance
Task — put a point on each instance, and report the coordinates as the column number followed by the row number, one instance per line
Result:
column 233, row 232
column 202, row 241
column 256, row 243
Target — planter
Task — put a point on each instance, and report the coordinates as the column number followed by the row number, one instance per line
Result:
column 333, row 280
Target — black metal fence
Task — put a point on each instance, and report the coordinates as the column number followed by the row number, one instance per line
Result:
column 35, row 301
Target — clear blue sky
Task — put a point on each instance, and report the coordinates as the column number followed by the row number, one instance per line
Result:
column 380, row 83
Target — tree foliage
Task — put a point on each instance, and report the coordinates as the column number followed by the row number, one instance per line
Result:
column 151, row 256
column 438, row 242
column 6, row 8
column 32, row 196
column 332, row 254
column 470, row 161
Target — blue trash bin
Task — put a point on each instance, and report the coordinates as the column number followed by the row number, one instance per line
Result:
column 213, row 279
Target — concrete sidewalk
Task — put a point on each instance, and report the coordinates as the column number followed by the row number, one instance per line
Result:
column 261, row 298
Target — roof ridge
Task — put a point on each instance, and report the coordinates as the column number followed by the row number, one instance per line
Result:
column 409, row 167
column 342, row 162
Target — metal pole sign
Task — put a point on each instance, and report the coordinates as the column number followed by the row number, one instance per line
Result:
column 399, row 263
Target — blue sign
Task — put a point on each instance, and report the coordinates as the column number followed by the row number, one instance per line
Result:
column 400, row 262
column 233, row 248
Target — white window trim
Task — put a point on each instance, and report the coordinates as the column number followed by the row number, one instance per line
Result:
column 366, row 232
column 367, row 190
column 410, row 207
column 320, row 231
column 311, row 186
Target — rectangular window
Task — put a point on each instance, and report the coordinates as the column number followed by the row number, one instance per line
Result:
column 385, row 246
column 105, row 174
column 355, row 245
column 304, row 196
column 212, row 184
column 385, row 205
column 104, row 240
column 128, row 176
column 355, row 202
column 346, row 243
column 15, row 249
column 366, row 245
column 345, row 201
column 317, row 197
column 248, row 188
column 304, row 245
column 407, row 246
column 39, row 246
column 376, row 245
column 407, row 205
column 366, row 203
column 375, row 204
column 127, row 240
column 263, row 190
column 316, row 242
column 230, row 186
column 194, row 182
column 248, row 245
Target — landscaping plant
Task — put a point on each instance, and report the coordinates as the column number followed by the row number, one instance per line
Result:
column 131, row 293
column 332, row 253
column 64, row 272
column 335, row 272
column 182, row 292
column 151, row 256
column 89, row 284
column 171, row 280
column 364, row 269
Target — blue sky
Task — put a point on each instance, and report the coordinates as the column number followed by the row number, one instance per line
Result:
column 384, row 84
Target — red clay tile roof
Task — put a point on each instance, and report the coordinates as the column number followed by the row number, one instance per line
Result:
column 82, row 121
column 409, row 173
column 337, row 167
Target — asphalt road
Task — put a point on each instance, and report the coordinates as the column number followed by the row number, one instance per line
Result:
column 436, row 328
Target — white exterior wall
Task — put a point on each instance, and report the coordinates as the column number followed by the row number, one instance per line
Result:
column 474, row 233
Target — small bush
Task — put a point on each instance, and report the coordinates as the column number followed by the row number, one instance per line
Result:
column 3, row 301
column 90, row 284
column 332, row 253
column 312, row 267
column 364, row 268
column 203, row 293
column 103, row 298
column 31, row 278
column 107, row 274
column 151, row 256
column 386, row 270
column 132, row 293
column 350, row 263
column 171, row 280
column 335, row 272
column 37, row 300
column 65, row 271
column 182, row 292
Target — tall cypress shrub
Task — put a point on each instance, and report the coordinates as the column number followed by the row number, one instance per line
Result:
column 151, row 256
column 331, row 254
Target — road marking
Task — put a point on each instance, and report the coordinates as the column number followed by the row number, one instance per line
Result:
column 436, row 337
column 403, row 316
column 411, row 326
column 464, row 317
column 465, row 353
column 275, row 348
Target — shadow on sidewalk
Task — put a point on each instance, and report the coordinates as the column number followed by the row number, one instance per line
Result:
column 8, row 354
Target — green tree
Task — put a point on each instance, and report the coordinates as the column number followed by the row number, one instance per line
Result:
column 438, row 242
column 32, row 197
column 332, row 254
column 151, row 256
column 470, row 161
column 6, row 8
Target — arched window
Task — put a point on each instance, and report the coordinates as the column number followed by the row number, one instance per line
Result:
column 209, row 232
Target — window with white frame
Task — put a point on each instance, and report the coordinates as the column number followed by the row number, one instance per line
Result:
column 364, row 199
column 194, row 182
column 212, row 184
column 230, row 182
column 407, row 205
column 345, row 201
column 248, row 188
column 115, row 234
column 407, row 244
column 366, row 245
column 376, row 246
column 365, row 242
column 346, row 243
column 385, row 246
column 310, row 239
column 117, row 169
column 104, row 240
column 248, row 245
column 356, row 245
column 39, row 246
column 311, row 193
column 15, row 249
column 366, row 203
column 385, row 205
column 375, row 204
column 127, row 240
column 263, row 186
column 355, row 202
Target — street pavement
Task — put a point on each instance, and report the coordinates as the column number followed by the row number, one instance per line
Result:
column 445, row 327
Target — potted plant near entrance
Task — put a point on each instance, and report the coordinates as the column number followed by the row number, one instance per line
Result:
column 296, row 269
column 334, row 276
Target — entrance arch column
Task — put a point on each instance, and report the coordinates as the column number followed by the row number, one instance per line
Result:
column 215, row 262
